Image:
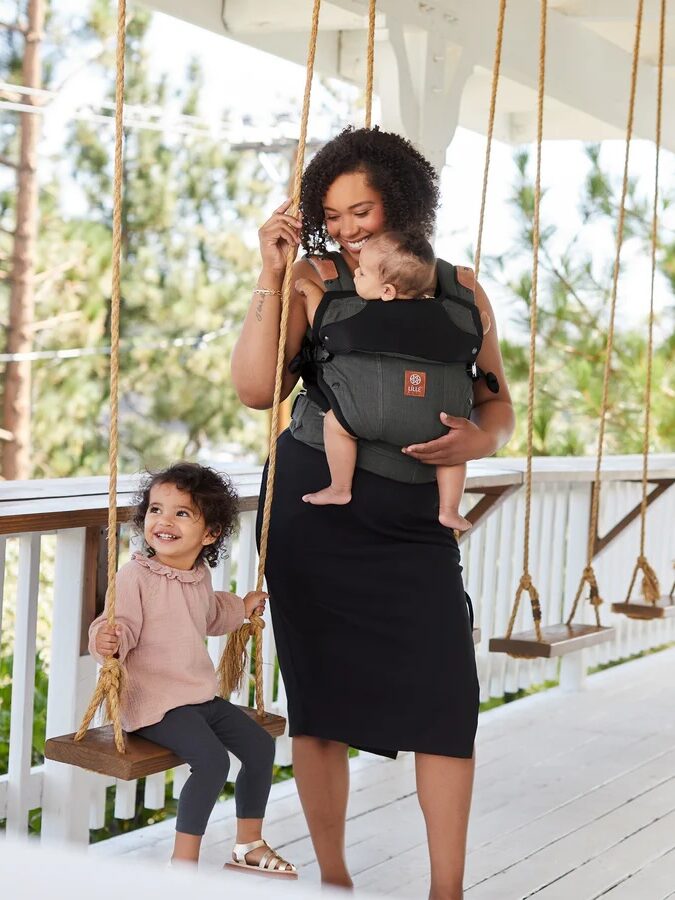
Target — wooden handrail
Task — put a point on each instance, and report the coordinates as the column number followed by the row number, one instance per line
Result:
column 48, row 504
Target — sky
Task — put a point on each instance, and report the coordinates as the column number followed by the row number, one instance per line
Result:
column 271, row 83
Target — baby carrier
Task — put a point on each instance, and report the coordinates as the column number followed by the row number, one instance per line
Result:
column 387, row 369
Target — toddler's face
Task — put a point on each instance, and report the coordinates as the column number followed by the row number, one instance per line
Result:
column 174, row 527
column 367, row 279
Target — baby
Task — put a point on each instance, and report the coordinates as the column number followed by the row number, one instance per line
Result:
column 392, row 266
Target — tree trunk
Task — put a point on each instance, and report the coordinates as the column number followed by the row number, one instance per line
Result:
column 16, row 457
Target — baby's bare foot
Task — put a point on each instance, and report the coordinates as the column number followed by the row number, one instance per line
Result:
column 330, row 496
column 452, row 519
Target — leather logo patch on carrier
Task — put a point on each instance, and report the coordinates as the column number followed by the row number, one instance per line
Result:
column 415, row 384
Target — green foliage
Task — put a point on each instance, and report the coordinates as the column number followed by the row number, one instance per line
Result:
column 572, row 325
column 39, row 711
column 190, row 213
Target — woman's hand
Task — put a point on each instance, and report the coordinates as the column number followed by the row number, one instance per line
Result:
column 254, row 602
column 107, row 640
column 279, row 236
column 464, row 441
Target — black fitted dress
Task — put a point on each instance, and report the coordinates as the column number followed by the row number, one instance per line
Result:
column 370, row 616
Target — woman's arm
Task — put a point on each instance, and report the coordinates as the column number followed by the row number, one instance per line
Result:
column 254, row 359
column 492, row 418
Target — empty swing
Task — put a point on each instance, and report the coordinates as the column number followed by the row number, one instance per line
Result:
column 654, row 605
column 560, row 639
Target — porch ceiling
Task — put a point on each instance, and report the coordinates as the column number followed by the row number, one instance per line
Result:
column 588, row 62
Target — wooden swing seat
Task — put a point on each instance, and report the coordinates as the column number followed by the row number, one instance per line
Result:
column 557, row 640
column 663, row 608
column 97, row 752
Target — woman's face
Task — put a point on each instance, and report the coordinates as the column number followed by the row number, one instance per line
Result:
column 353, row 212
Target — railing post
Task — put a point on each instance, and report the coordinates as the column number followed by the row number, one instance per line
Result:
column 67, row 789
column 23, row 685
column 573, row 667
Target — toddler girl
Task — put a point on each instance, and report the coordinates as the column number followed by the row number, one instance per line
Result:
column 392, row 266
column 165, row 608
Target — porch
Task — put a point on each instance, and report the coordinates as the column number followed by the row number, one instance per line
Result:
column 574, row 792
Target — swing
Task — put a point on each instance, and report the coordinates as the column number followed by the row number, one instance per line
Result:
column 654, row 605
column 107, row 750
column 561, row 639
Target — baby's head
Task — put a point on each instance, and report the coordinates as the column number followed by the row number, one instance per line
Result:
column 186, row 511
column 395, row 265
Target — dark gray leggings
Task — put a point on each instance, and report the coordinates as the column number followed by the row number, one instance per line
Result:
column 201, row 734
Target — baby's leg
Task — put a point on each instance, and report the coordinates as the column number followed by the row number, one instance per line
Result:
column 450, row 489
column 341, row 455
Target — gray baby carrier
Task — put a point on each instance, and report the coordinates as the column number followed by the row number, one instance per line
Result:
column 387, row 369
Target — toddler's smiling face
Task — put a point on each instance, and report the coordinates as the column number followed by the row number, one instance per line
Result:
column 174, row 527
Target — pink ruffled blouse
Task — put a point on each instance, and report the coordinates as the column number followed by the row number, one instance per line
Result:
column 165, row 615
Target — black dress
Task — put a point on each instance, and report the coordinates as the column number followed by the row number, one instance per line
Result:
column 370, row 616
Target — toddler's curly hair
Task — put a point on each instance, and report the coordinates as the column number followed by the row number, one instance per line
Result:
column 407, row 182
column 211, row 492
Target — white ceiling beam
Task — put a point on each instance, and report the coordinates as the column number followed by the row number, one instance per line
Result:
column 585, row 72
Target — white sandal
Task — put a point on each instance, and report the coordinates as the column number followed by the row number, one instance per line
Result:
column 270, row 862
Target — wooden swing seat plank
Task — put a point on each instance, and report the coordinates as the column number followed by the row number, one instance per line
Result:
column 557, row 640
column 664, row 608
column 97, row 752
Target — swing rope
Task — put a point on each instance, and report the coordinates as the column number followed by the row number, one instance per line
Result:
column 233, row 662
column 496, row 65
column 110, row 678
column 526, row 583
column 588, row 575
column 650, row 582
column 370, row 65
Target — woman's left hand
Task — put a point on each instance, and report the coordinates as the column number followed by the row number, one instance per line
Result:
column 464, row 441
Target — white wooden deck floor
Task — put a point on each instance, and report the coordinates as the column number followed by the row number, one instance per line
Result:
column 575, row 799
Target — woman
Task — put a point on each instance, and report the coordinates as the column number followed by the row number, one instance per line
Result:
column 369, row 610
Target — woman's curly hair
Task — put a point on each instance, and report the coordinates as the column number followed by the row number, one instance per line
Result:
column 212, row 493
column 407, row 182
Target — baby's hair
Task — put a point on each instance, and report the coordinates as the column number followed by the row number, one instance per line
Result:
column 408, row 262
column 212, row 493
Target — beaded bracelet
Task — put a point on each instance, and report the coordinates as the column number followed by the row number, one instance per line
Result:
column 266, row 292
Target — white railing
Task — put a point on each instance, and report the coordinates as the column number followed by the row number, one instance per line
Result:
column 49, row 557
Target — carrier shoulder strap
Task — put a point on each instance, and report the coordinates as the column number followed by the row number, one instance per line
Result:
column 333, row 270
column 449, row 284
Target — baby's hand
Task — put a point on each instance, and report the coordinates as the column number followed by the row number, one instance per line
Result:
column 254, row 602
column 107, row 640
column 309, row 289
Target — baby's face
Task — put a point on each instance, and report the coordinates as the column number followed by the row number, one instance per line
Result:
column 367, row 279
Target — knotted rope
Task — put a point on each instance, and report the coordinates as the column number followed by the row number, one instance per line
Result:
column 370, row 63
column 526, row 583
column 233, row 662
column 651, row 590
column 111, row 676
column 588, row 576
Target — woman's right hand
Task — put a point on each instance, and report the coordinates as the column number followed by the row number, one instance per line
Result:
column 107, row 640
column 279, row 236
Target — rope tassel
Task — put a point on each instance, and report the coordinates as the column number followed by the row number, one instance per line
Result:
column 651, row 590
column 233, row 662
column 526, row 584
column 108, row 689
column 588, row 577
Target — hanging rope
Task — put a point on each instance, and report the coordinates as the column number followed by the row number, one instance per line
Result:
column 491, row 127
column 233, row 662
column 588, row 575
column 526, row 583
column 650, row 583
column 110, row 678
column 370, row 64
